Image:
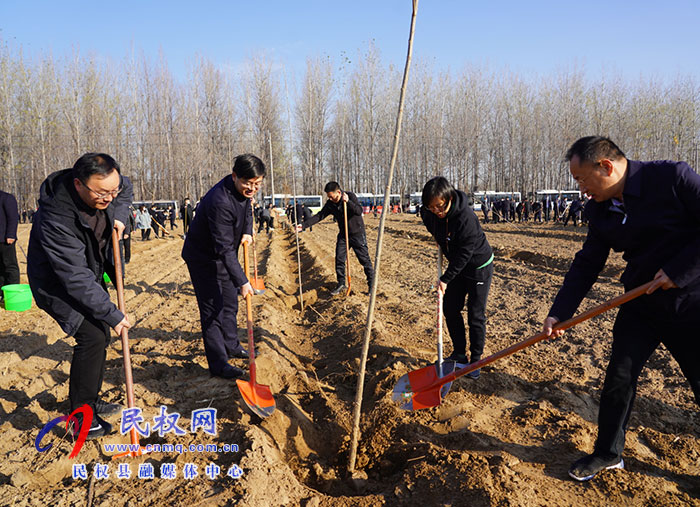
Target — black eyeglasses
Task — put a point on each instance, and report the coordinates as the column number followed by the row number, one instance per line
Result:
column 113, row 193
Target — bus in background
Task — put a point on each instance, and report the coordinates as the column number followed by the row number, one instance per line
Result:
column 313, row 203
column 162, row 204
column 491, row 195
column 367, row 201
column 414, row 201
column 568, row 195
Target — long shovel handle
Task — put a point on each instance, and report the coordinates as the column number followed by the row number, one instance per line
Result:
column 608, row 305
column 121, row 304
column 249, row 319
column 439, row 311
column 255, row 256
column 347, row 244
column 161, row 226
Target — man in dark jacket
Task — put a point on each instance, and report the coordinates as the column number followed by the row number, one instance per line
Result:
column 69, row 250
column 128, row 232
column 223, row 221
column 574, row 213
column 187, row 215
column 624, row 214
column 265, row 219
column 9, row 218
column 172, row 217
column 452, row 222
column 356, row 231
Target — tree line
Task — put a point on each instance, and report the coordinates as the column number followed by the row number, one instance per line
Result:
column 483, row 129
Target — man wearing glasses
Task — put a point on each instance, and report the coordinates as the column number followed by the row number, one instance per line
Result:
column 450, row 219
column 223, row 221
column 69, row 250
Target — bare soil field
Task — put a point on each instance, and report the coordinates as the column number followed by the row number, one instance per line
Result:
column 505, row 439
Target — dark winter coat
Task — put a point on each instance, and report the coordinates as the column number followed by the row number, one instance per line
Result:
column 64, row 262
column 460, row 237
column 356, row 226
column 9, row 216
column 223, row 217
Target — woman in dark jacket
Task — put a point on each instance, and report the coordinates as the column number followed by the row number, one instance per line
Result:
column 450, row 219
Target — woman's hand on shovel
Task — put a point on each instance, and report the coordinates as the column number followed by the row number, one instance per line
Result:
column 549, row 323
column 441, row 287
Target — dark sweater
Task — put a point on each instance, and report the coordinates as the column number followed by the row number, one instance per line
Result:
column 356, row 226
column 460, row 237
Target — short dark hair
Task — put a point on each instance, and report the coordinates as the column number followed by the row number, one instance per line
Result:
column 331, row 186
column 94, row 163
column 248, row 167
column 437, row 187
column 594, row 148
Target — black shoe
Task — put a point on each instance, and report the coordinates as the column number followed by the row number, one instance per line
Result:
column 460, row 359
column 104, row 408
column 229, row 372
column 587, row 467
column 339, row 289
column 240, row 354
column 474, row 375
column 98, row 428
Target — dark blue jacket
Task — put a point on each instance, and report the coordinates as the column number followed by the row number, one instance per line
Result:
column 223, row 217
column 460, row 237
column 659, row 228
column 64, row 264
column 9, row 216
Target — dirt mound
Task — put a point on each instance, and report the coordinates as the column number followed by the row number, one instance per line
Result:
column 506, row 439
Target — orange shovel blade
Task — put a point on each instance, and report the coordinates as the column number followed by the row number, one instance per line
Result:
column 258, row 285
column 258, row 398
column 421, row 388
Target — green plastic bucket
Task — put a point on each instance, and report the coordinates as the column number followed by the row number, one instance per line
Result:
column 17, row 297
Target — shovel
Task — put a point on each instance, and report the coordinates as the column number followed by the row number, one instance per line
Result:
column 258, row 397
column 347, row 247
column 441, row 367
column 128, row 376
column 423, row 388
column 257, row 283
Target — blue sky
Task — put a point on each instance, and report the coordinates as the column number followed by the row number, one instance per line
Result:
column 537, row 37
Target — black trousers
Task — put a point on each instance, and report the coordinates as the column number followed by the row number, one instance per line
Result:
column 127, row 249
column 635, row 338
column 88, row 366
column 217, row 298
column 145, row 234
column 475, row 293
column 358, row 242
column 264, row 222
column 9, row 268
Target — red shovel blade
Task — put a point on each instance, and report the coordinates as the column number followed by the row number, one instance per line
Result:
column 420, row 382
column 422, row 388
column 258, row 398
